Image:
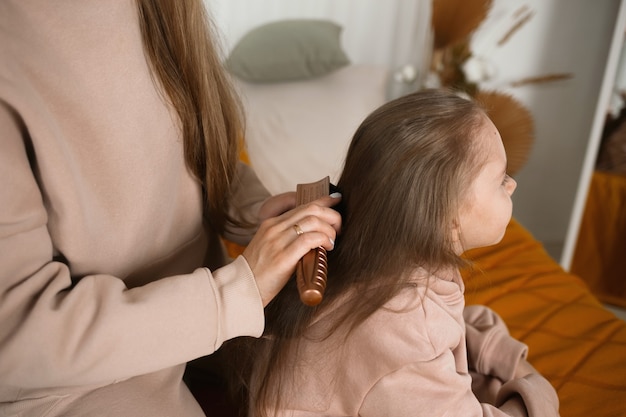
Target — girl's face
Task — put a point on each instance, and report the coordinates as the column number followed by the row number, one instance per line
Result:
column 486, row 208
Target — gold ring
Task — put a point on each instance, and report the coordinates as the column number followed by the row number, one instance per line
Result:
column 298, row 230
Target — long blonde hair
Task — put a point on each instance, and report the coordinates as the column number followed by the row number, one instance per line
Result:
column 178, row 41
column 406, row 171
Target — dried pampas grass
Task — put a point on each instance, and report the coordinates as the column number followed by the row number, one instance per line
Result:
column 454, row 20
column 542, row 79
column 515, row 124
column 523, row 15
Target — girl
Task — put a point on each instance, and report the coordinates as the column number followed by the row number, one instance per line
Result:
column 424, row 180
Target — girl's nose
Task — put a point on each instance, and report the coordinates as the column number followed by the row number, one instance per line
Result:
column 511, row 186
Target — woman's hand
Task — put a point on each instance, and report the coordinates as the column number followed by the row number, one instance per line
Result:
column 281, row 241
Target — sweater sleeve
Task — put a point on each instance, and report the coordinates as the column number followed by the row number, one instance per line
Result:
column 491, row 349
column 435, row 388
column 494, row 356
column 248, row 196
column 60, row 330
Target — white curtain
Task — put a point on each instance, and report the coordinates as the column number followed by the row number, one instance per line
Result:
column 390, row 33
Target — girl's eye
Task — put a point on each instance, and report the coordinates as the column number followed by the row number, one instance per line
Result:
column 506, row 179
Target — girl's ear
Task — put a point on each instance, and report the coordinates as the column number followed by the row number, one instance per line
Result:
column 455, row 230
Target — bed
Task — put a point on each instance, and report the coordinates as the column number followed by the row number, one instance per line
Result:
column 298, row 130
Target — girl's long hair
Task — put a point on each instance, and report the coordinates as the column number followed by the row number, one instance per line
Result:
column 179, row 44
column 406, row 170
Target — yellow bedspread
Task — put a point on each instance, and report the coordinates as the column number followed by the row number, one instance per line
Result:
column 573, row 341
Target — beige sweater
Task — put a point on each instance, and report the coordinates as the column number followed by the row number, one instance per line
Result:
column 102, row 246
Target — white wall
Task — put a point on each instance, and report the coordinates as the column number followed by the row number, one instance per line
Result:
column 388, row 33
column 563, row 36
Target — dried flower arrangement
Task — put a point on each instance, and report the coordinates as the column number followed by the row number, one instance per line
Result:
column 453, row 65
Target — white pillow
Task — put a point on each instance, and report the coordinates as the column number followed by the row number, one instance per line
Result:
column 299, row 132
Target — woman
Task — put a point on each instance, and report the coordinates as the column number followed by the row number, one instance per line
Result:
column 118, row 177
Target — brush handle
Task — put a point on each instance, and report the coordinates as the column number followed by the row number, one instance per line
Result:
column 312, row 268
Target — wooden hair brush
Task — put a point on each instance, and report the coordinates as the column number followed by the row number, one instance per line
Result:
column 312, row 268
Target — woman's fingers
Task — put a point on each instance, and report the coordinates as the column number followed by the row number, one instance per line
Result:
column 312, row 229
column 330, row 201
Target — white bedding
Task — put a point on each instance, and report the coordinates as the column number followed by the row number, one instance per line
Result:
column 298, row 132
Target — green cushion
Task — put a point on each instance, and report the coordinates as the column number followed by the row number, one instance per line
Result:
column 288, row 50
